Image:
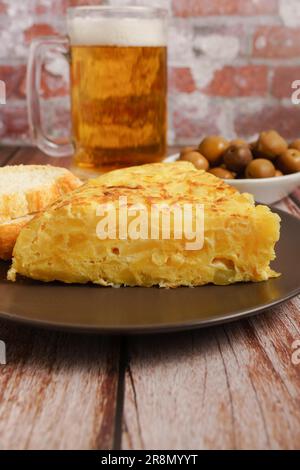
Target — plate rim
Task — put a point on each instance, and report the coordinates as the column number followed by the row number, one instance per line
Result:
column 145, row 330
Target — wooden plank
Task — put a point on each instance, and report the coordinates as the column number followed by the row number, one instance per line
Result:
column 6, row 153
column 230, row 387
column 34, row 156
column 57, row 391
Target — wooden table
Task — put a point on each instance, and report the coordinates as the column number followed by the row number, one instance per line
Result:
column 227, row 387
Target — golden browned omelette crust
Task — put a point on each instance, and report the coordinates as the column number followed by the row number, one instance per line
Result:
column 8, row 235
column 62, row 244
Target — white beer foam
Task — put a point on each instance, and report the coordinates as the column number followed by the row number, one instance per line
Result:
column 117, row 32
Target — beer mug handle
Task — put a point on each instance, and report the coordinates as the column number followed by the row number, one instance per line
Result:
column 38, row 50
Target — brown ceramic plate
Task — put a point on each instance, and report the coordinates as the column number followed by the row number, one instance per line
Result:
column 140, row 310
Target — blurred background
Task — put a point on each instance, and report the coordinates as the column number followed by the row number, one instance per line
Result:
column 231, row 66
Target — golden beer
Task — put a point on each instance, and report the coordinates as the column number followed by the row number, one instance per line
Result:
column 119, row 107
column 118, row 70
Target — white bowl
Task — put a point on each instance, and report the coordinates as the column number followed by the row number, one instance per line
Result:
column 264, row 190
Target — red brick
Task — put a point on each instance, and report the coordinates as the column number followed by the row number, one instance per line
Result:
column 188, row 125
column 188, row 8
column 13, row 76
column 13, row 121
column 282, row 81
column 63, row 120
column 55, row 6
column 3, row 7
column 53, row 85
column 59, row 7
column 276, row 42
column 285, row 119
column 76, row 3
column 181, row 80
column 231, row 81
column 40, row 29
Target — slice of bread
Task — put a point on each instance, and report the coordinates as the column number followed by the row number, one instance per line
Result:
column 26, row 190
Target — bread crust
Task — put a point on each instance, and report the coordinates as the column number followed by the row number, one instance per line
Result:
column 22, row 203
column 18, row 208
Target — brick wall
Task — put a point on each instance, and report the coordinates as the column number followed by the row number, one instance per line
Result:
column 232, row 63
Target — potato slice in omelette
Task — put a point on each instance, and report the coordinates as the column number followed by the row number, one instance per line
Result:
column 62, row 243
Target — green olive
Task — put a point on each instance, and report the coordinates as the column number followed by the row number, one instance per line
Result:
column 271, row 144
column 212, row 148
column 239, row 143
column 222, row 173
column 295, row 145
column 186, row 150
column 197, row 160
column 260, row 168
column 237, row 158
column 289, row 161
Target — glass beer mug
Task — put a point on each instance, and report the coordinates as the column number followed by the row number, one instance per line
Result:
column 118, row 68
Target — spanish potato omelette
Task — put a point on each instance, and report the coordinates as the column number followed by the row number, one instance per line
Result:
column 62, row 244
